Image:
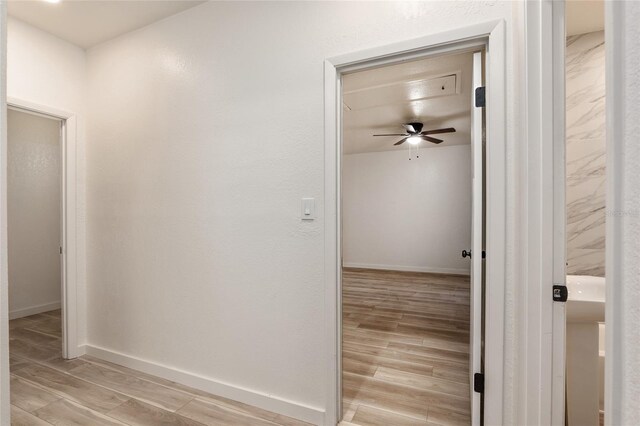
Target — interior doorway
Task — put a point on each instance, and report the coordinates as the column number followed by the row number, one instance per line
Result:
column 412, row 219
column 34, row 217
column 34, row 226
column 586, row 213
column 35, row 233
column 490, row 38
column 66, row 248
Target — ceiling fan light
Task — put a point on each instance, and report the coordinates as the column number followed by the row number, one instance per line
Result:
column 414, row 140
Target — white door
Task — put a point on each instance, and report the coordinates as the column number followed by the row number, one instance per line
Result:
column 477, row 226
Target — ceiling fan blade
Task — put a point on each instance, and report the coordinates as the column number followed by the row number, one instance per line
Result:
column 400, row 142
column 394, row 134
column 437, row 131
column 432, row 140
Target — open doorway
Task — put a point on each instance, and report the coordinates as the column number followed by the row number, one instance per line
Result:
column 586, row 212
column 34, row 225
column 413, row 241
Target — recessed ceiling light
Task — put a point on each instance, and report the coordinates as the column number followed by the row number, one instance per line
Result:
column 51, row 1
column 414, row 140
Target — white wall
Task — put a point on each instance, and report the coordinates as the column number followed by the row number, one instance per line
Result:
column 45, row 70
column 33, row 205
column 4, row 290
column 195, row 245
column 623, row 213
column 407, row 215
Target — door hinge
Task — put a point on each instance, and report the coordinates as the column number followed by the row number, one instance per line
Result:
column 478, row 382
column 484, row 254
column 480, row 97
column 60, row 250
column 560, row 293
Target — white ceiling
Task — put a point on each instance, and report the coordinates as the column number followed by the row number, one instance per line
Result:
column 86, row 23
column 584, row 16
column 381, row 100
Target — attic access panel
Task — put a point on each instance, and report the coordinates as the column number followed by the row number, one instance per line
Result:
column 399, row 92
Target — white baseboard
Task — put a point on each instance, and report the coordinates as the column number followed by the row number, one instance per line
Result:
column 32, row 310
column 248, row 396
column 403, row 268
column 82, row 350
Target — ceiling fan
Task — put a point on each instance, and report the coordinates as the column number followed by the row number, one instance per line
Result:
column 415, row 134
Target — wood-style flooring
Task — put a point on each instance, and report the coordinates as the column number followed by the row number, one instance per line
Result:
column 405, row 352
column 48, row 390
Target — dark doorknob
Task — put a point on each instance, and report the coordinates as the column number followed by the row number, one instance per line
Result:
column 466, row 253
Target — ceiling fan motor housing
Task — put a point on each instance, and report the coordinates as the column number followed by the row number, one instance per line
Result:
column 413, row 128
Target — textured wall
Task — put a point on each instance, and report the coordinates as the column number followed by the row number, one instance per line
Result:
column 194, row 235
column 407, row 215
column 623, row 215
column 586, row 149
column 33, row 205
column 629, row 334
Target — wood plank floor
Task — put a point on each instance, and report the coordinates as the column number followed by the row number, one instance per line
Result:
column 47, row 390
column 405, row 348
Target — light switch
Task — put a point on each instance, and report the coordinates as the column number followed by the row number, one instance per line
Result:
column 308, row 208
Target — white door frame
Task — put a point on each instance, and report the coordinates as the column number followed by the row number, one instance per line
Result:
column 542, row 353
column 543, row 14
column 69, row 219
column 477, row 234
column 492, row 36
column 559, row 239
column 549, row 69
column 4, row 293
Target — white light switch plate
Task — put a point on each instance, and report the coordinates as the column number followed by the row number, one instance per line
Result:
column 308, row 209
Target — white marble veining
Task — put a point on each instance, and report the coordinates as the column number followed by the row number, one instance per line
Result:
column 585, row 91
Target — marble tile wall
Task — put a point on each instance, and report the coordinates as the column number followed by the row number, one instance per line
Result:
column 585, row 90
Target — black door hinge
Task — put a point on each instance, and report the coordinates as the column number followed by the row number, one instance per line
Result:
column 478, row 382
column 480, row 97
column 484, row 254
column 560, row 293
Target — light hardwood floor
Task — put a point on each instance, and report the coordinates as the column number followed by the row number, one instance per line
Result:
column 47, row 390
column 405, row 348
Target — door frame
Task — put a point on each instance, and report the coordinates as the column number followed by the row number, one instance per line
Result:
column 542, row 369
column 544, row 14
column 69, row 244
column 490, row 35
column 556, row 57
column 476, row 276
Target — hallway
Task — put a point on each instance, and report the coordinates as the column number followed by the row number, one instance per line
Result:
column 405, row 348
column 46, row 389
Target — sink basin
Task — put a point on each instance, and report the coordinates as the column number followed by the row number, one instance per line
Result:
column 586, row 298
